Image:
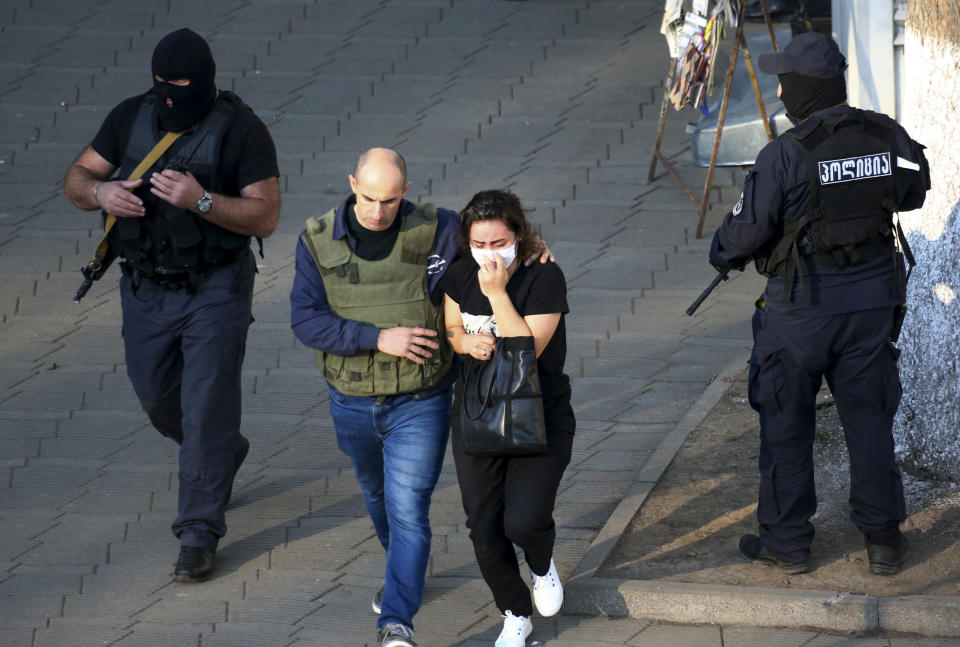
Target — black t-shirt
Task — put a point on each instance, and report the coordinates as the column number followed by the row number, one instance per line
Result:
column 248, row 154
column 535, row 290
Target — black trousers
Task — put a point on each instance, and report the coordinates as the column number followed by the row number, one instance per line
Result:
column 791, row 355
column 184, row 355
column 510, row 500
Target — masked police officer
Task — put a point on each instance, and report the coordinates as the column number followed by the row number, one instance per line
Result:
column 183, row 233
column 815, row 216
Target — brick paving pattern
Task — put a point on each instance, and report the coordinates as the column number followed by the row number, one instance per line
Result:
column 557, row 100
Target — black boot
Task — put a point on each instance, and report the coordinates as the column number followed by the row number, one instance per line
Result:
column 753, row 550
column 194, row 564
column 886, row 550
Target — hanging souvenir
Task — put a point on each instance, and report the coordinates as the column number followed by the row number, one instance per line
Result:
column 700, row 39
column 672, row 26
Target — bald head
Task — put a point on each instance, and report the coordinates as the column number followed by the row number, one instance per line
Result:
column 382, row 159
column 380, row 183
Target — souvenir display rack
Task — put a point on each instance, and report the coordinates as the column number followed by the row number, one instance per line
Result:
column 739, row 42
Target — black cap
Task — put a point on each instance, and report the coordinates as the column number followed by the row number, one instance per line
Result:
column 810, row 54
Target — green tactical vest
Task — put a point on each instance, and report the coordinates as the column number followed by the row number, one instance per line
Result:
column 386, row 293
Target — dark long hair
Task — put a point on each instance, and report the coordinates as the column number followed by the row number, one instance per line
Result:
column 497, row 204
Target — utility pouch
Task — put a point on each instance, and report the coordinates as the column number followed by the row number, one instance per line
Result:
column 183, row 227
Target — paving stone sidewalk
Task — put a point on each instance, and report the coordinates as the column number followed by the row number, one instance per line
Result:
column 556, row 99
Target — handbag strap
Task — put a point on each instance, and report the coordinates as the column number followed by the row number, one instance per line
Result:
column 485, row 400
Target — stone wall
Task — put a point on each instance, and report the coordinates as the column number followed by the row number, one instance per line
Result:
column 928, row 423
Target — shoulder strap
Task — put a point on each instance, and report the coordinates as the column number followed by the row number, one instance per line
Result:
column 804, row 129
column 418, row 233
column 328, row 254
column 98, row 260
column 159, row 149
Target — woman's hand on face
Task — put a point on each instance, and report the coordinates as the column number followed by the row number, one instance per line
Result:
column 481, row 345
column 493, row 276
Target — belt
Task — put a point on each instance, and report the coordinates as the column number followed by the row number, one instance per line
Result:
column 170, row 279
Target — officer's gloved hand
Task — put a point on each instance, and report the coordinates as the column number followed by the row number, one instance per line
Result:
column 738, row 266
column 726, row 268
column 723, row 265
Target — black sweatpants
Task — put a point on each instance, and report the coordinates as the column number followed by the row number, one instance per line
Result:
column 509, row 500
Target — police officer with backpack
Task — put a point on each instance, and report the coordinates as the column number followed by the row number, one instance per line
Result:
column 816, row 218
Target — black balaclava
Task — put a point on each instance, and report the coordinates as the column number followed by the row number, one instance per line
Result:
column 183, row 54
column 804, row 95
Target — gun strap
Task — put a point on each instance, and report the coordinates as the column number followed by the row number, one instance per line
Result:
column 159, row 149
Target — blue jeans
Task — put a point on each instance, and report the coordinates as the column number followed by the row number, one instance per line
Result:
column 396, row 445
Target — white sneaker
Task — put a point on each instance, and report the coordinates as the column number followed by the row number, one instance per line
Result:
column 515, row 631
column 547, row 591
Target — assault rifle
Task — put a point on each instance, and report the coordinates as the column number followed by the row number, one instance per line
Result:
column 103, row 257
column 721, row 276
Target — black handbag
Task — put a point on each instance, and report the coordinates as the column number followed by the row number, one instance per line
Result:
column 501, row 413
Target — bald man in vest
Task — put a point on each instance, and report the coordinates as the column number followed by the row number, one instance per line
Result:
column 360, row 300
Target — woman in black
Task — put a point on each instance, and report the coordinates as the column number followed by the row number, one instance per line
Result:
column 509, row 500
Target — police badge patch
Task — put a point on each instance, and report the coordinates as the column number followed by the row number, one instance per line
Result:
column 737, row 208
column 852, row 169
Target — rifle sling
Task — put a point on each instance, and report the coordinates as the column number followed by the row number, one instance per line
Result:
column 159, row 149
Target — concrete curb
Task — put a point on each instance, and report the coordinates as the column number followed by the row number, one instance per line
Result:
column 610, row 534
column 680, row 602
column 724, row 604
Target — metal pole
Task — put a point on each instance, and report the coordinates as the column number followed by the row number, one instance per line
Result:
column 722, row 117
column 756, row 87
column 766, row 19
column 676, row 176
column 671, row 74
column 806, row 15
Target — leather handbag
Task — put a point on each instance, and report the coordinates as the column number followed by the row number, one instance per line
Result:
column 502, row 405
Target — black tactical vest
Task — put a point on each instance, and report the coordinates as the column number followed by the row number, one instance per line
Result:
column 170, row 240
column 849, row 162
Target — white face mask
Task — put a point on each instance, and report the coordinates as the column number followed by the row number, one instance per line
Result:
column 508, row 254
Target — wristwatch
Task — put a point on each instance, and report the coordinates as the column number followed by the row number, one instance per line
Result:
column 204, row 203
